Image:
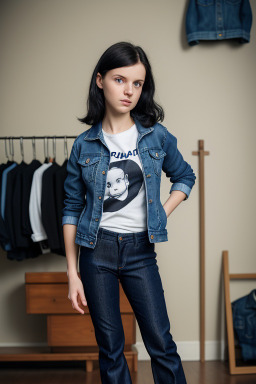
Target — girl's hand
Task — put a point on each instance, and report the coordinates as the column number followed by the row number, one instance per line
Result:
column 76, row 293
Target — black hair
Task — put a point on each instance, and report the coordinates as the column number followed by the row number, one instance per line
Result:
column 122, row 54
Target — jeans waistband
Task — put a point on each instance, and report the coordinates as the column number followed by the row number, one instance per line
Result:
column 120, row 236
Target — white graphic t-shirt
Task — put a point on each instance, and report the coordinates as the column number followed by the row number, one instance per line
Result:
column 124, row 208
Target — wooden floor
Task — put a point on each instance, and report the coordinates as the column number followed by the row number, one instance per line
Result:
column 210, row 372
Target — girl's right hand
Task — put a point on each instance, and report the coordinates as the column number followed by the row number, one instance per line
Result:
column 76, row 293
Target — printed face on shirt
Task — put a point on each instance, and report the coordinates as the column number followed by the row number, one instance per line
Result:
column 124, row 181
column 117, row 184
column 122, row 83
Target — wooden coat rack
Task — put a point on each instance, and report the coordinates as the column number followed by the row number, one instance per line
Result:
column 201, row 153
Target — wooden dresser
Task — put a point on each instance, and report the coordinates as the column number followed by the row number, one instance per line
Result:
column 70, row 335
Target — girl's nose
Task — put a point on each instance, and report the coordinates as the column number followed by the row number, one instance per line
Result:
column 128, row 89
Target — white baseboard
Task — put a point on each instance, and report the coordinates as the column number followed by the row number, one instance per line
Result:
column 190, row 350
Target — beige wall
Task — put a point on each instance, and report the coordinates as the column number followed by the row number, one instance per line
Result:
column 48, row 52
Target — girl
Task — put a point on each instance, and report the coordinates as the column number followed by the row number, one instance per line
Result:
column 113, row 213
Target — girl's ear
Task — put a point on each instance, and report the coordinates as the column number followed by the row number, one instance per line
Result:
column 99, row 80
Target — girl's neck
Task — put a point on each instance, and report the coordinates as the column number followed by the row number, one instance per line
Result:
column 115, row 125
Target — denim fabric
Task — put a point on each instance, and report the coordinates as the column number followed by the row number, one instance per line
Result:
column 87, row 169
column 129, row 259
column 218, row 20
column 244, row 320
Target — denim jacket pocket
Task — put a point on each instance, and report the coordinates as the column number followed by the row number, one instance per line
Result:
column 89, row 163
column 233, row 2
column 239, row 323
column 250, row 333
column 157, row 156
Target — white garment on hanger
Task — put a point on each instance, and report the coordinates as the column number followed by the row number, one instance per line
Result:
column 35, row 213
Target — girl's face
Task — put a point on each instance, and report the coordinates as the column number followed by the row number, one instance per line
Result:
column 123, row 83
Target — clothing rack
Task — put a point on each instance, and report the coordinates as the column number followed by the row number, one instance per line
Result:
column 33, row 138
column 36, row 137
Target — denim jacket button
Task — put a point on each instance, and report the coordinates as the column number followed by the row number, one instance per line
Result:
column 96, row 219
column 150, row 200
column 103, row 172
column 99, row 197
column 87, row 160
column 152, row 236
column 91, row 242
column 156, row 154
column 148, row 175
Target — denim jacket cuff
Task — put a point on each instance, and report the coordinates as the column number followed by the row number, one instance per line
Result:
column 70, row 220
column 181, row 187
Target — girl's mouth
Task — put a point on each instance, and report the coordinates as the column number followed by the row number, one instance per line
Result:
column 126, row 102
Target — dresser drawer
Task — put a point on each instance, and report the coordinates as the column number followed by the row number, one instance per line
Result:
column 48, row 298
column 53, row 299
column 73, row 330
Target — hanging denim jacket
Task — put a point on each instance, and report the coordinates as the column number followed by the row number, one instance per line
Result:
column 86, row 179
column 218, row 20
column 244, row 321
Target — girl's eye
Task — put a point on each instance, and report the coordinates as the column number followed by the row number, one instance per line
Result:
column 136, row 82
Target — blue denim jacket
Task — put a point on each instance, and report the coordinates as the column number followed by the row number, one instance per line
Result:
column 87, row 169
column 244, row 320
column 218, row 20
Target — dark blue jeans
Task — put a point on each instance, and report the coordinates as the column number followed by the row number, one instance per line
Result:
column 130, row 258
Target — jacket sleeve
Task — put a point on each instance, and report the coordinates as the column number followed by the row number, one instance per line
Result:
column 176, row 168
column 75, row 190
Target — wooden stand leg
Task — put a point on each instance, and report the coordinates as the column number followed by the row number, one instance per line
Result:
column 89, row 365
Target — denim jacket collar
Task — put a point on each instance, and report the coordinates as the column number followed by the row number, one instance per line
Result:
column 96, row 131
column 251, row 301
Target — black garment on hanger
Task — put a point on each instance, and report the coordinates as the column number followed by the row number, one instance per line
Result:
column 12, row 222
column 17, row 237
column 49, row 209
column 60, row 178
column 10, row 214
column 19, row 202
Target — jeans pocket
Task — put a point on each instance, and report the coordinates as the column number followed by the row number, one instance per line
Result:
column 145, row 246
